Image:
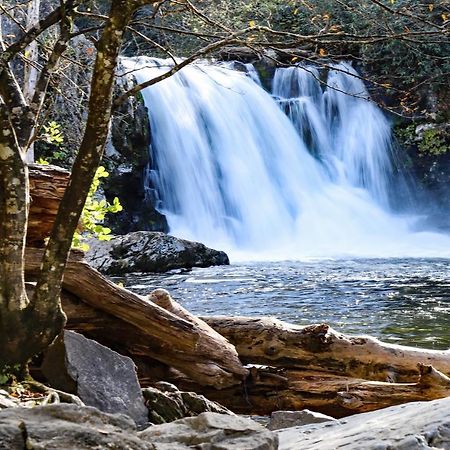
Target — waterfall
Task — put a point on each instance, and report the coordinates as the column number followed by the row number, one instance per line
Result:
column 301, row 172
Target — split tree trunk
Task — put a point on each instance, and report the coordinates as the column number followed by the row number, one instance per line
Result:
column 47, row 185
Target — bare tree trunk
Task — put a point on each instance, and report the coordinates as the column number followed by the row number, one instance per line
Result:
column 30, row 69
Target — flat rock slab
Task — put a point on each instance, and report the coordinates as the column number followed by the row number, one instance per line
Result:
column 287, row 419
column 67, row 427
column 211, row 431
column 412, row 426
column 99, row 376
column 146, row 251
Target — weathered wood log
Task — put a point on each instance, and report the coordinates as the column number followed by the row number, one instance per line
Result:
column 319, row 347
column 159, row 333
column 47, row 186
column 318, row 368
column 269, row 389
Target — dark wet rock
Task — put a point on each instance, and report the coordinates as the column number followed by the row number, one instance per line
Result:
column 211, row 431
column 167, row 404
column 128, row 160
column 143, row 251
column 67, row 427
column 99, row 376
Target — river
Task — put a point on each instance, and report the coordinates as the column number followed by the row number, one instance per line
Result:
column 403, row 301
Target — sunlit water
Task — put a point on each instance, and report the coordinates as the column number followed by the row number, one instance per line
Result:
column 404, row 301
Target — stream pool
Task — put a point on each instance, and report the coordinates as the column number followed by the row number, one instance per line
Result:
column 403, row 301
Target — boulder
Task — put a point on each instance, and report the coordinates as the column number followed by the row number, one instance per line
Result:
column 412, row 426
column 211, row 431
column 99, row 376
column 167, row 403
column 287, row 419
column 67, row 427
column 145, row 251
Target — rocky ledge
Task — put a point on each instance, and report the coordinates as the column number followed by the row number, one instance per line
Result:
column 146, row 251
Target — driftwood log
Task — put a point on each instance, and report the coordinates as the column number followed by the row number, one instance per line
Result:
column 315, row 367
column 199, row 353
column 319, row 347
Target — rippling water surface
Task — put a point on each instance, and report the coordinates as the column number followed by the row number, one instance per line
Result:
column 405, row 301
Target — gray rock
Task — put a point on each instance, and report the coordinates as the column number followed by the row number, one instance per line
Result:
column 412, row 426
column 211, row 431
column 67, row 427
column 145, row 251
column 99, row 376
column 287, row 419
column 6, row 401
column 172, row 404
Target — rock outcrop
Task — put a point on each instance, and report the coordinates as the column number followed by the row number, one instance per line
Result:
column 211, row 431
column 71, row 427
column 288, row 419
column 128, row 159
column 67, row 427
column 166, row 403
column 412, row 426
column 144, row 251
column 99, row 376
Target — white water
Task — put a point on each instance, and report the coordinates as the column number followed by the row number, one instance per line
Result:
column 235, row 172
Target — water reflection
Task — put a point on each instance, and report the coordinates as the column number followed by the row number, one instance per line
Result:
column 400, row 301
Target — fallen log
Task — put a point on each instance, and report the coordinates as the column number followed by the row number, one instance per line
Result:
column 269, row 389
column 319, row 347
column 195, row 351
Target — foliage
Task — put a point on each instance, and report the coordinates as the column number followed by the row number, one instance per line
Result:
column 50, row 146
column 94, row 213
column 52, row 133
column 400, row 43
column 435, row 141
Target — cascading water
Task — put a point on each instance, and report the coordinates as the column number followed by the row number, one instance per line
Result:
column 303, row 173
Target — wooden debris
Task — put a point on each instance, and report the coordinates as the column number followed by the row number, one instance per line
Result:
column 319, row 347
column 143, row 325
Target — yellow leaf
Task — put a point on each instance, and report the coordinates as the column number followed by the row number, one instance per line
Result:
column 295, row 58
column 431, row 6
column 252, row 23
column 322, row 52
column 444, row 16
